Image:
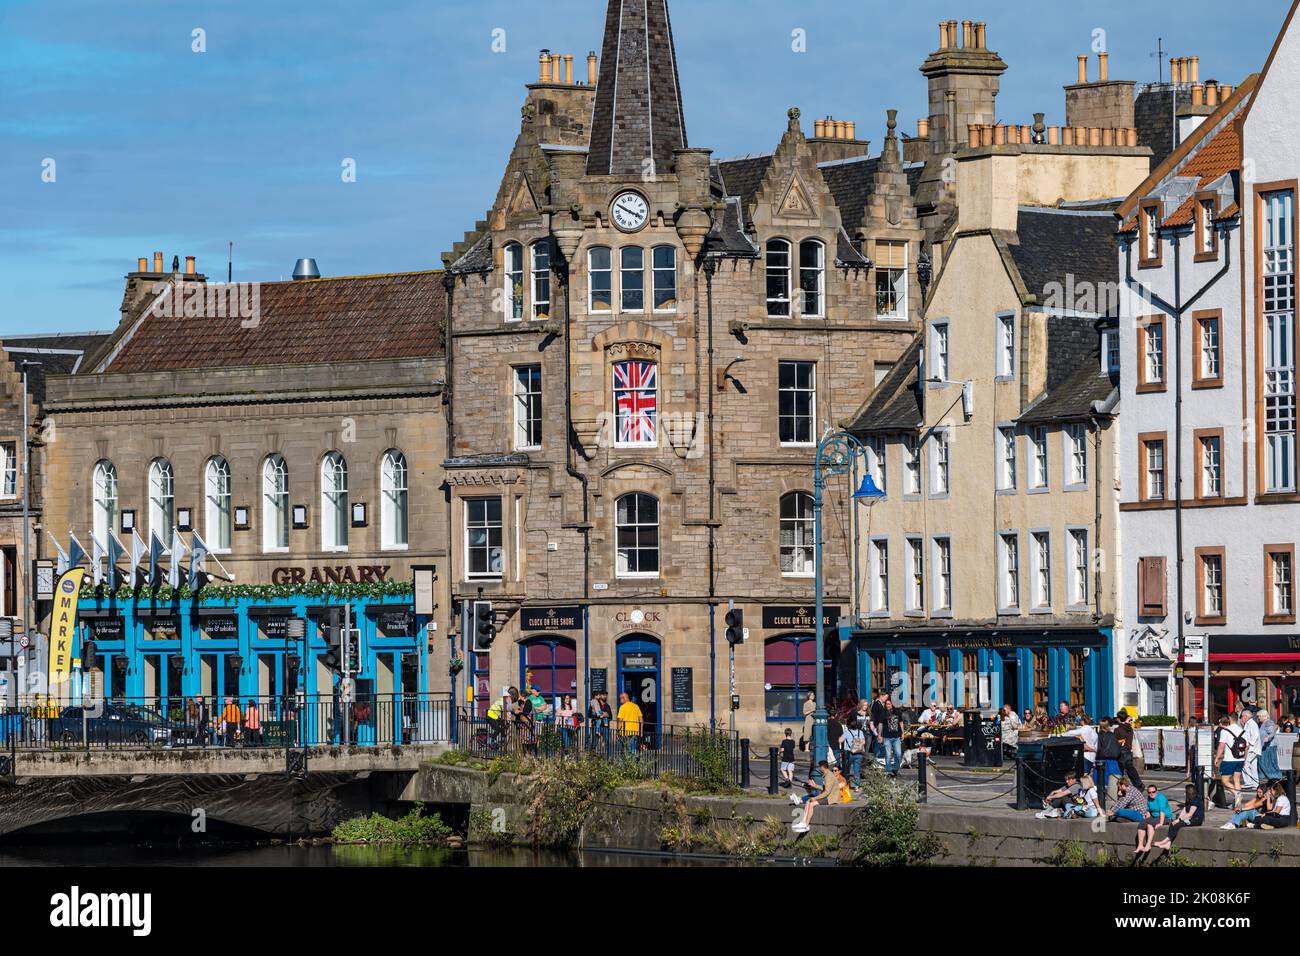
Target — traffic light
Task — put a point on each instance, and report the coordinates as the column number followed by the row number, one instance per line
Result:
column 88, row 656
column 354, row 651
column 735, row 627
column 485, row 629
column 333, row 656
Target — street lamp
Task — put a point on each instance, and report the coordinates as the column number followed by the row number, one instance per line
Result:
column 835, row 456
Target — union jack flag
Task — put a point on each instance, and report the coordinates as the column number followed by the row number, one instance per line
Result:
column 636, row 401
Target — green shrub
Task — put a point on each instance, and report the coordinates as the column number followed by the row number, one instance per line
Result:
column 414, row 828
column 1161, row 720
column 886, row 831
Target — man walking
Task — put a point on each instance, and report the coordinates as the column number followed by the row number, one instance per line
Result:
column 629, row 723
column 891, row 731
column 1254, row 747
column 1124, row 736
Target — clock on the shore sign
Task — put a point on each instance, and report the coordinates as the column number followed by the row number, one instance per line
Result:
column 630, row 211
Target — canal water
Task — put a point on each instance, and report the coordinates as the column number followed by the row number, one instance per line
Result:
column 262, row 855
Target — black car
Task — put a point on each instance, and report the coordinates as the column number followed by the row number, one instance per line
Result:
column 118, row 724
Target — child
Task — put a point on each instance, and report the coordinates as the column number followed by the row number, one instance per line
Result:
column 787, row 759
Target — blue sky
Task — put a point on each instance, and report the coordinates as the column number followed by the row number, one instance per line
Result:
column 160, row 148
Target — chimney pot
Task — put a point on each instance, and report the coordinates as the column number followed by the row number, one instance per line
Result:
column 1104, row 60
column 557, row 68
column 967, row 34
column 1225, row 91
column 979, row 35
column 1053, row 136
column 1198, row 94
column 1196, row 69
column 943, row 34
column 189, row 265
column 851, row 130
column 1212, row 93
column 568, row 69
column 142, row 264
column 158, row 262
column 1083, row 68
column 923, row 129
column 972, row 136
column 592, row 74
column 544, row 67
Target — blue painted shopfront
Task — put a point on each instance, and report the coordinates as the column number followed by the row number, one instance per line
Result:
column 165, row 654
column 1024, row 670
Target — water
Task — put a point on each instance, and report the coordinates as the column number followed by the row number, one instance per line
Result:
column 263, row 855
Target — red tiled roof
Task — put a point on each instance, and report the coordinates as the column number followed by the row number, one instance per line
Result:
column 357, row 319
column 1212, row 161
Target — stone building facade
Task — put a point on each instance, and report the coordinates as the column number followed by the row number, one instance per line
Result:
column 301, row 443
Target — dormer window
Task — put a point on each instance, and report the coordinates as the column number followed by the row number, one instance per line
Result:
column 1149, row 230
column 1207, row 239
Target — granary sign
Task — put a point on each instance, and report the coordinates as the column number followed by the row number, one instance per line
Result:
column 344, row 574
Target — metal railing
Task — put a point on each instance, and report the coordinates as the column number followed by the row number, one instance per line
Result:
column 693, row 752
column 377, row 720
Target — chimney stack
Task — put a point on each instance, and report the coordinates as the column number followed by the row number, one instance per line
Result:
column 592, row 74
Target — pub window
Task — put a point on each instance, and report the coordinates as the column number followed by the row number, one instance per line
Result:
column 551, row 665
column 600, row 280
column 637, row 532
column 1078, row 680
column 393, row 500
column 334, row 502
column 484, row 556
column 217, row 504
column 942, row 692
column 970, row 679
column 275, row 504
column 778, row 278
column 797, row 534
column 879, row 674
column 8, row 469
column 542, row 279
column 665, row 278
column 789, row 673
column 631, row 278
column 1041, row 686
column 162, row 501
column 514, row 277
column 105, row 502
column 812, row 277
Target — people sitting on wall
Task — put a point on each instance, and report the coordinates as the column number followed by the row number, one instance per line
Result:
column 1277, row 809
column 1159, row 812
column 1086, row 805
column 1054, row 803
column 1130, row 803
column 831, row 790
column 1192, row 814
column 1248, row 809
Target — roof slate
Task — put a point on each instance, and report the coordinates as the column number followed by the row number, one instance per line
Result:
column 51, row 355
column 363, row 318
column 895, row 405
column 1065, row 248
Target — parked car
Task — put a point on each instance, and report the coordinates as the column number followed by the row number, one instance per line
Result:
column 118, row 724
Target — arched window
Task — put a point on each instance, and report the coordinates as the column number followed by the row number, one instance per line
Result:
column 514, row 267
column 105, row 501
column 334, row 502
column 797, row 534
column 217, row 504
column 275, row 504
column 600, row 280
column 542, row 279
column 789, row 673
column 162, row 501
column 638, row 536
column 631, row 278
column 778, row 277
column 812, row 277
column 665, row 278
column 392, row 500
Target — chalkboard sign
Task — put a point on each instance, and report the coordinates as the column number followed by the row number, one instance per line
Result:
column 983, row 741
column 599, row 680
column 683, row 690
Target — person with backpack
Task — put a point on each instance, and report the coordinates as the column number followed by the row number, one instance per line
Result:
column 853, row 744
column 1230, row 757
column 1107, row 760
column 1127, row 744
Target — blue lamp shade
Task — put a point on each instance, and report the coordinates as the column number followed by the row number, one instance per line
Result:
column 869, row 492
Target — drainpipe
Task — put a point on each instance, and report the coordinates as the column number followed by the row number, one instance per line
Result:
column 710, row 267
column 570, row 440
column 1177, row 310
column 449, row 285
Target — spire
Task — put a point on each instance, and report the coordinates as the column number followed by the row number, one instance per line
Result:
column 638, row 115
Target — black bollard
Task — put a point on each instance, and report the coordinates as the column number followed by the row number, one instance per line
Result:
column 922, row 785
column 1022, row 801
column 1289, row 783
column 773, row 780
column 744, row 764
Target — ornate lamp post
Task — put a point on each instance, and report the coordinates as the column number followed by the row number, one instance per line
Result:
column 835, row 456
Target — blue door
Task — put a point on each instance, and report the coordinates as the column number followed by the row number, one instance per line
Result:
column 638, row 677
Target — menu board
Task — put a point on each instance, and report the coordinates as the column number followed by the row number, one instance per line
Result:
column 1174, row 743
column 599, row 680
column 683, row 690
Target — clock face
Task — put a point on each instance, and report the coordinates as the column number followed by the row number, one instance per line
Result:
column 630, row 212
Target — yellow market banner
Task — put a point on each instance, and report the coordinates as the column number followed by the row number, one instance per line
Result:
column 63, row 625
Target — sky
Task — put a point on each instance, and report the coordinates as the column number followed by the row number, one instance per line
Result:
column 118, row 139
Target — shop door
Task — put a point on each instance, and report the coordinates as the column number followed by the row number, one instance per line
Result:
column 1159, row 696
column 638, row 677
column 1010, row 683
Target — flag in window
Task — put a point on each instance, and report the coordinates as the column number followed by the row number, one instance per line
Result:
column 636, row 399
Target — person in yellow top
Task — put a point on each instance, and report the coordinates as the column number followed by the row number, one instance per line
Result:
column 230, row 718
column 629, row 721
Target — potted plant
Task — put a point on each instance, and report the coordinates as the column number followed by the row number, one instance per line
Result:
column 456, row 665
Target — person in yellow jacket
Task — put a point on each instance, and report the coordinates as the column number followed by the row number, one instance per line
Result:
column 230, row 718
column 629, row 722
